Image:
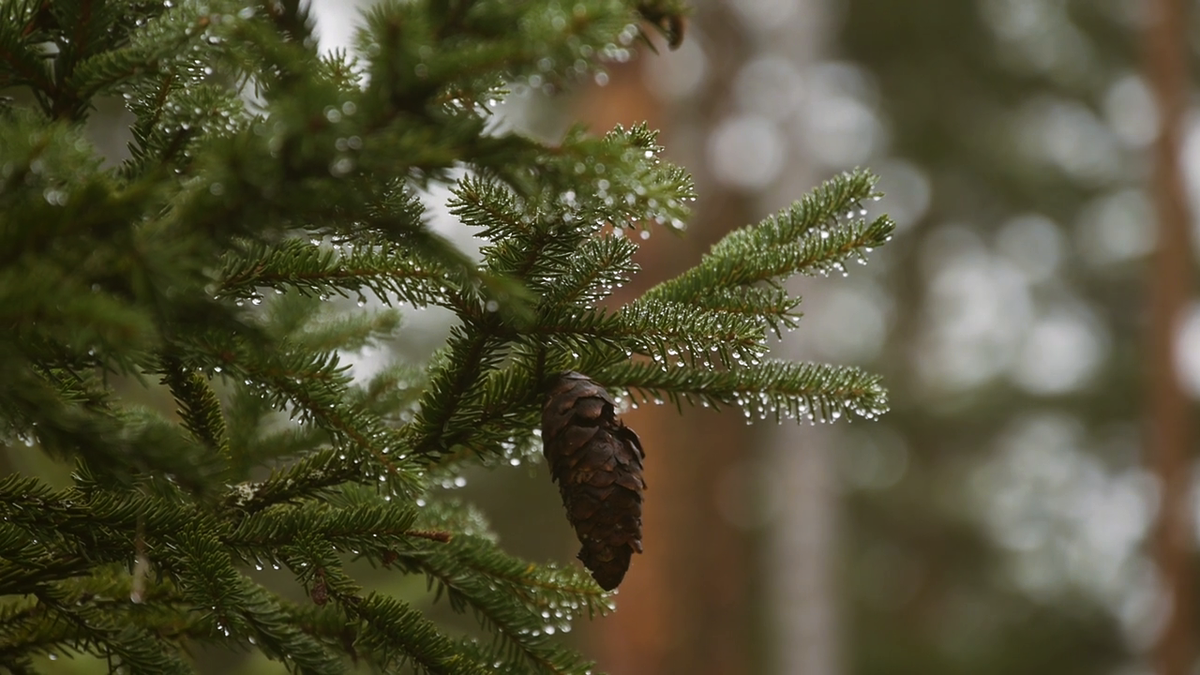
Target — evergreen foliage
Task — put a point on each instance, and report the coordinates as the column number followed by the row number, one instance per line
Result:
column 263, row 179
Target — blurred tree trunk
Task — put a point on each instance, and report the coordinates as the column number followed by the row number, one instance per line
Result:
column 1170, row 284
column 800, row 554
column 800, row 549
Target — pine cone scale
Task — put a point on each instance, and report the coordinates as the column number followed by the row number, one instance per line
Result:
column 597, row 462
column 575, row 437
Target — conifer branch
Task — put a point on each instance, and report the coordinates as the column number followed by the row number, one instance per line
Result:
column 392, row 392
column 770, row 306
column 254, row 442
column 507, row 411
column 806, row 238
column 597, row 266
column 130, row 55
column 813, row 391
column 617, row 179
column 315, row 386
column 400, row 634
column 474, row 574
column 74, row 422
column 390, row 271
column 445, row 417
column 540, row 588
column 356, row 529
column 237, row 607
column 92, row 629
column 491, row 207
column 275, row 447
column 666, row 331
column 310, row 477
column 199, row 408
column 28, row 564
column 466, row 587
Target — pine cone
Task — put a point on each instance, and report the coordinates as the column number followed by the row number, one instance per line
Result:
column 597, row 462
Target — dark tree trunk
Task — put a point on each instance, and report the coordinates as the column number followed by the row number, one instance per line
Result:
column 1169, row 430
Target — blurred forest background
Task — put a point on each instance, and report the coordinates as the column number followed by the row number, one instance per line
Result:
column 1002, row 518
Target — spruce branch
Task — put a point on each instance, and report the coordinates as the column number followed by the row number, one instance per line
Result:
column 199, row 408
column 28, row 629
column 507, row 412
column 486, row 588
column 275, row 446
column 487, row 41
column 236, row 607
column 565, row 592
column 449, row 407
column 128, row 53
column 255, row 437
column 352, row 333
column 96, row 631
column 812, row 391
column 392, row 392
column 317, row 568
column 491, row 207
column 629, row 183
column 400, row 635
column 25, row 631
column 313, row 476
column 314, row 386
column 388, row 270
column 293, row 19
column 355, row 529
column 475, row 575
column 771, row 306
column 668, row 332
column 596, row 267
column 122, row 443
column 28, row 564
column 806, row 238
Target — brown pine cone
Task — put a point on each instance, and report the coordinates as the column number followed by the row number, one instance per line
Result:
column 597, row 462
